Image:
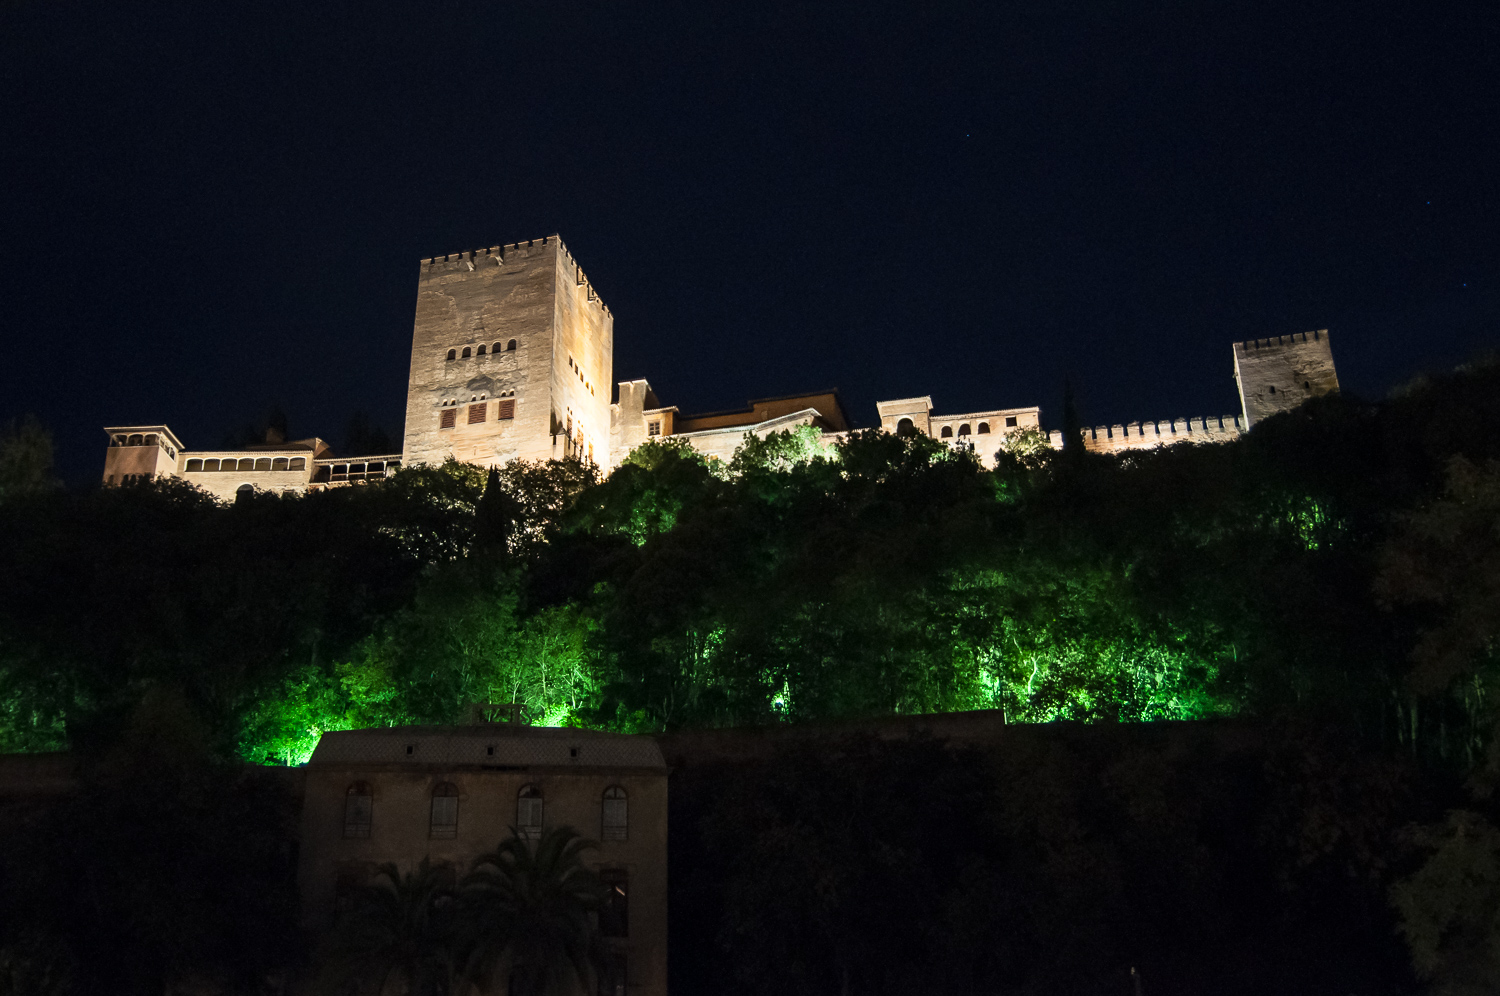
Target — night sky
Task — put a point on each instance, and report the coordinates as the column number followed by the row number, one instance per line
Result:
column 211, row 209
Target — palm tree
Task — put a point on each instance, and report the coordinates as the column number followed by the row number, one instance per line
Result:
column 397, row 937
column 529, row 917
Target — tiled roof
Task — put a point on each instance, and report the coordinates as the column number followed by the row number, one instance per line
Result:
column 487, row 744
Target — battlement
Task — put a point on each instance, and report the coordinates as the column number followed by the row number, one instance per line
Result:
column 474, row 259
column 1150, row 435
column 500, row 253
column 1249, row 346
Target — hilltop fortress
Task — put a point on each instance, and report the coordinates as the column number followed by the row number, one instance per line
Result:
column 513, row 358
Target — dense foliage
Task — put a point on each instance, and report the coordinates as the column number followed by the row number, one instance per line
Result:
column 1306, row 568
column 1336, row 569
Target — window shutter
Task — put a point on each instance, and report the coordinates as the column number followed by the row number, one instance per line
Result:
column 444, row 816
column 529, row 817
column 448, row 418
column 506, row 408
column 477, row 412
column 358, row 810
column 615, row 819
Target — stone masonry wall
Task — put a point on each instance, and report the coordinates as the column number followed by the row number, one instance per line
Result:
column 1277, row 375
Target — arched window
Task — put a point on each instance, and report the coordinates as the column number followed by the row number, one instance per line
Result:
column 297, row 463
column 1272, row 388
column 210, row 465
column 151, row 437
column 452, row 354
column 245, row 464
column 359, row 810
column 510, row 347
column 467, row 352
column 279, row 463
column 243, row 492
column 529, row 812
column 616, row 821
column 194, row 465
column 984, row 428
column 136, row 440
column 497, row 347
column 947, row 432
column 906, row 427
column 1306, row 386
column 444, row 823
column 264, row 463
column 480, row 350
column 963, row 430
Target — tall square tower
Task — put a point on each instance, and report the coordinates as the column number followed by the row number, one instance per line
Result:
column 512, row 357
column 1277, row 375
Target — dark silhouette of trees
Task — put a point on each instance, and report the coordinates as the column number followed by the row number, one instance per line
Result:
column 529, row 916
column 401, row 931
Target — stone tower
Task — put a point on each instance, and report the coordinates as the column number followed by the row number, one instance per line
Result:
column 512, row 357
column 1277, row 375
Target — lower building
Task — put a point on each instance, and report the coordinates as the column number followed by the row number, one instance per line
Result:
column 451, row 794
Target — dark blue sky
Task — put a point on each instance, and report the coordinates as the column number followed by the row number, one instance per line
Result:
column 213, row 208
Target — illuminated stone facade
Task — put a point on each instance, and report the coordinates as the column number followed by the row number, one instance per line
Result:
column 512, row 353
column 513, row 358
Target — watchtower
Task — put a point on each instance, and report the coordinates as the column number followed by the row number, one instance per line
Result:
column 512, row 357
column 1277, row 375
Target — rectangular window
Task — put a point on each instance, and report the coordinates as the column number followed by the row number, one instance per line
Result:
column 448, row 418
column 444, row 825
column 614, row 913
column 478, row 412
column 359, row 811
column 1010, row 421
column 505, row 408
column 616, row 822
column 653, row 428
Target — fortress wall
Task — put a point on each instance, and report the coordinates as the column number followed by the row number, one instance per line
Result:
column 224, row 484
column 1278, row 374
column 720, row 444
column 1149, row 435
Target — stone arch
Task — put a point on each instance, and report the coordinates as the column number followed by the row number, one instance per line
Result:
column 947, row 432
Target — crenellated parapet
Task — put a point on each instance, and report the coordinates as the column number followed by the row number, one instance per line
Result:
column 1150, row 435
column 513, row 253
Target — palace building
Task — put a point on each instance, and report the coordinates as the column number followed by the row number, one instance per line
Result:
column 513, row 358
